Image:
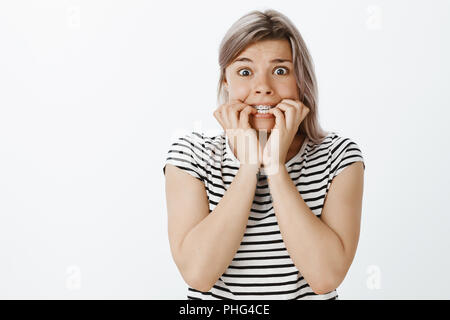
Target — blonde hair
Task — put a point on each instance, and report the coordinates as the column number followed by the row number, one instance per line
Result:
column 272, row 25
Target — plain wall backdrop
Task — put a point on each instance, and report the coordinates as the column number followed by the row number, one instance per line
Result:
column 92, row 92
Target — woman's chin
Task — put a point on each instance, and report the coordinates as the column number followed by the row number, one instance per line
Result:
column 262, row 124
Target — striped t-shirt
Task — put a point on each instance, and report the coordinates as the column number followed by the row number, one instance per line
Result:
column 262, row 267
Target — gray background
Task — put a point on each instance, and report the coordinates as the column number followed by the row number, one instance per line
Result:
column 92, row 92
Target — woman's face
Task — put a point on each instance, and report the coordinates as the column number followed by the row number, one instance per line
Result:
column 261, row 80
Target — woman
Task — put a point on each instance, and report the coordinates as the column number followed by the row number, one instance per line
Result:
column 265, row 210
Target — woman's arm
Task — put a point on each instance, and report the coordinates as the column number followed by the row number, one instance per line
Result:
column 204, row 245
column 322, row 249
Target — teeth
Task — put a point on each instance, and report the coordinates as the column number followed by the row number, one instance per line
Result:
column 262, row 107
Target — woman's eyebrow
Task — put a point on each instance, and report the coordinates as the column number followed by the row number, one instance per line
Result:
column 271, row 61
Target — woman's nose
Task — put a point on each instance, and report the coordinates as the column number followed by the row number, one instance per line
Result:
column 266, row 91
column 262, row 86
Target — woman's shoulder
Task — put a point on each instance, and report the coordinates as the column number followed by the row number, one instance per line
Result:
column 334, row 141
column 202, row 145
column 197, row 138
column 343, row 151
column 191, row 152
column 206, row 142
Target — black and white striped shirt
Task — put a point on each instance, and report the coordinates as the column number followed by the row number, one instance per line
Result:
column 262, row 268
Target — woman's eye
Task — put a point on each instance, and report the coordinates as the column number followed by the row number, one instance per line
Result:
column 240, row 72
column 281, row 68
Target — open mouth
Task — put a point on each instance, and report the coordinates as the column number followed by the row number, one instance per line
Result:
column 262, row 108
column 263, row 111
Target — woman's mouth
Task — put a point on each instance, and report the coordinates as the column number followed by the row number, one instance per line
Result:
column 263, row 112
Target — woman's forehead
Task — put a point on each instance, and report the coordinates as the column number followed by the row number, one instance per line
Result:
column 272, row 52
column 280, row 46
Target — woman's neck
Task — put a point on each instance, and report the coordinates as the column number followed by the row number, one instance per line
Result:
column 295, row 147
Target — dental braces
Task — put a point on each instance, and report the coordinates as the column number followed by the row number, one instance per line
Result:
column 262, row 108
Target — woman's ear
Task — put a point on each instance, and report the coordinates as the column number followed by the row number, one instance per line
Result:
column 224, row 82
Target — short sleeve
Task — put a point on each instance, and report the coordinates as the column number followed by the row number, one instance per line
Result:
column 345, row 152
column 186, row 153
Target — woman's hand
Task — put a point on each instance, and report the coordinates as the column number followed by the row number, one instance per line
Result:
column 234, row 119
column 289, row 114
